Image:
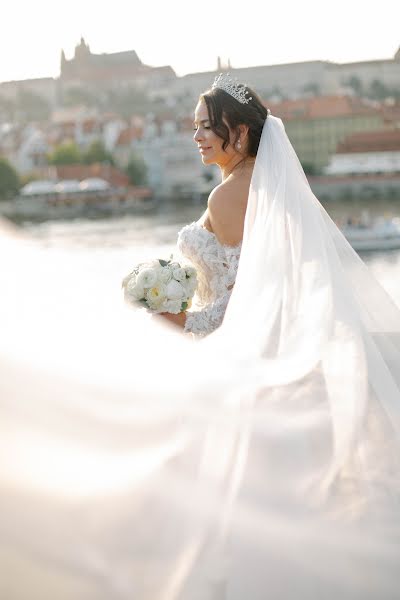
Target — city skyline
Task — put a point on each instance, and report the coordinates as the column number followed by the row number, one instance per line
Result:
column 189, row 39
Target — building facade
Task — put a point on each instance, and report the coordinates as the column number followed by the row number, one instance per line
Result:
column 316, row 126
column 373, row 152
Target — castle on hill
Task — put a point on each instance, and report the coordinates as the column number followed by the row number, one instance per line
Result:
column 121, row 70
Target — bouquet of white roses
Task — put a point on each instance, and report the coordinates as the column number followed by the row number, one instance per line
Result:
column 161, row 286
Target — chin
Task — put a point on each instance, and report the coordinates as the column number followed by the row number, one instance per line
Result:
column 207, row 160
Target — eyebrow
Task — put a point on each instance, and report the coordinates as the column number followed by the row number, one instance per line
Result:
column 202, row 121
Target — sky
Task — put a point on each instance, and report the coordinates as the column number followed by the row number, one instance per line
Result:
column 190, row 35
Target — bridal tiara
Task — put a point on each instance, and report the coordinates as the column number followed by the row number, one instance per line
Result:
column 228, row 84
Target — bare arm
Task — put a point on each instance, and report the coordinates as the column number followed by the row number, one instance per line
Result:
column 179, row 319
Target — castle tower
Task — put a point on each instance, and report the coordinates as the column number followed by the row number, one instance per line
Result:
column 82, row 51
column 63, row 62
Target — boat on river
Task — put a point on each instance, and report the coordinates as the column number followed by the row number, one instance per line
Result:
column 384, row 234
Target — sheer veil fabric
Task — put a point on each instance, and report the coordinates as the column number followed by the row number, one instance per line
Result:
column 261, row 461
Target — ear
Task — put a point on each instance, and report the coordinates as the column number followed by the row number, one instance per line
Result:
column 243, row 131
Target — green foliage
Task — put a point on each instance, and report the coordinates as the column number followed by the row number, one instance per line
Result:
column 136, row 170
column 65, row 154
column 377, row 90
column 207, row 176
column 9, row 180
column 96, row 153
column 28, row 178
column 312, row 88
column 356, row 84
column 310, row 169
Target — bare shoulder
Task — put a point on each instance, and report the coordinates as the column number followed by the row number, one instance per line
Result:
column 220, row 196
column 226, row 211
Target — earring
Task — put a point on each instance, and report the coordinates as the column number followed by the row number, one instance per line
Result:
column 238, row 145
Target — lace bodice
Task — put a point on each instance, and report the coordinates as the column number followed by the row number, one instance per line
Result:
column 216, row 266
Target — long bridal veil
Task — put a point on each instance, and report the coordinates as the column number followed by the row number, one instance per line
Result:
column 262, row 461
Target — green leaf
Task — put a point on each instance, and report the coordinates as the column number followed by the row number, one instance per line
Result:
column 163, row 263
column 184, row 306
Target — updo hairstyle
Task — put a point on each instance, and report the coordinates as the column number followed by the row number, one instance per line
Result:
column 223, row 108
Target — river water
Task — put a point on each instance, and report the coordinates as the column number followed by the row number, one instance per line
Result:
column 119, row 242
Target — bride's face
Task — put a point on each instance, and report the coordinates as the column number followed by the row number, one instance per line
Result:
column 208, row 143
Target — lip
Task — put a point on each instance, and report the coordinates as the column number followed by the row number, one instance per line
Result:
column 203, row 149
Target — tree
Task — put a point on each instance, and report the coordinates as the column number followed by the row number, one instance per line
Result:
column 378, row 90
column 136, row 170
column 312, row 88
column 97, row 153
column 356, row 85
column 9, row 180
column 65, row 154
column 310, row 169
column 208, row 176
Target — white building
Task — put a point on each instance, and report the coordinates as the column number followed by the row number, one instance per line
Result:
column 367, row 152
column 172, row 159
column 45, row 87
column 292, row 80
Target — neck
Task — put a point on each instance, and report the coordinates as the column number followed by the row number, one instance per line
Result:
column 237, row 161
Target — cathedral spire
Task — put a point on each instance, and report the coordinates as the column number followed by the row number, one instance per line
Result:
column 63, row 61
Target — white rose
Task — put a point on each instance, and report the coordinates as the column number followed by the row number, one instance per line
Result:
column 190, row 272
column 179, row 274
column 147, row 278
column 165, row 275
column 173, row 306
column 175, row 291
column 190, row 285
column 152, row 264
column 129, row 278
column 155, row 296
column 174, row 265
column 134, row 290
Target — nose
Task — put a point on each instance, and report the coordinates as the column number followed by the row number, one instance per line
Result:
column 197, row 135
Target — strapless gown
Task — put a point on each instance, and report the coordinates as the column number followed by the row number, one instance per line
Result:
column 216, row 266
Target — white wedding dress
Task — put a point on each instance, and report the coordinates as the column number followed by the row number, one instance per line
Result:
column 261, row 462
column 216, row 266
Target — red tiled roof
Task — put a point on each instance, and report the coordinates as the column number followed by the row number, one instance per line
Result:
column 391, row 114
column 129, row 134
column 382, row 140
column 111, row 174
column 322, row 107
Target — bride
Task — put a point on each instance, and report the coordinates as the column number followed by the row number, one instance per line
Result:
column 262, row 461
column 228, row 125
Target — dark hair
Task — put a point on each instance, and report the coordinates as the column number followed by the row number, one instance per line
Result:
column 222, row 105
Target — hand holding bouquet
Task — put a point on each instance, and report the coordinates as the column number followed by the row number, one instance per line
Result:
column 161, row 286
